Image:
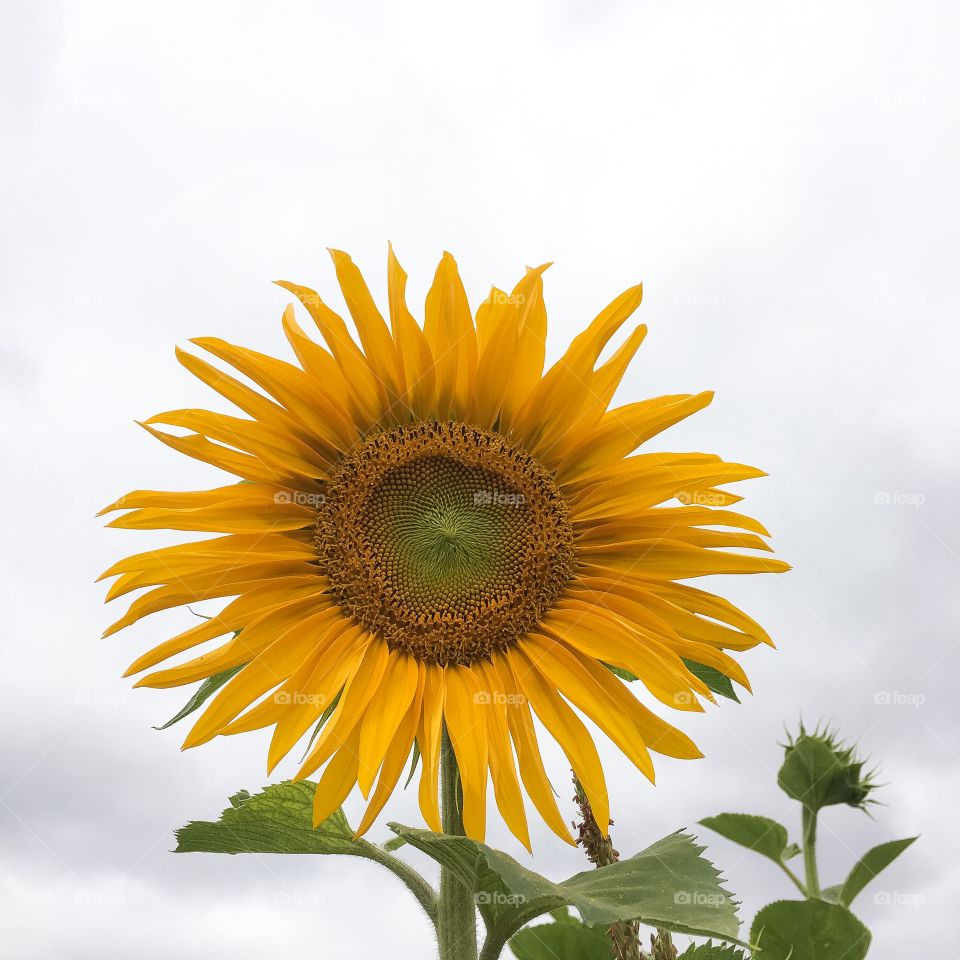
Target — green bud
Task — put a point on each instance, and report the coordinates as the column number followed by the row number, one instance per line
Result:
column 820, row 770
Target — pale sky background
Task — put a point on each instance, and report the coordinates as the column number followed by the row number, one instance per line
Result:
column 783, row 178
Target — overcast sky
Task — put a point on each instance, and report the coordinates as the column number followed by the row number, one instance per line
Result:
column 782, row 177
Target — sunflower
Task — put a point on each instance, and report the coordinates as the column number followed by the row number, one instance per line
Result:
column 430, row 537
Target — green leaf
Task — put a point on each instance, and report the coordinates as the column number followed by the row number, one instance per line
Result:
column 621, row 673
column 869, row 865
column 279, row 819
column 565, row 940
column 792, row 850
column 712, row 951
column 206, row 690
column 414, row 760
column 667, row 885
column 809, row 930
column 714, row 679
column 718, row 682
column 324, row 717
column 761, row 834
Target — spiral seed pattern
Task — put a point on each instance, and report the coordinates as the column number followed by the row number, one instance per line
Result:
column 446, row 540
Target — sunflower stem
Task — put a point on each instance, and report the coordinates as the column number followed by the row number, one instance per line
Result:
column 810, row 852
column 456, row 914
column 596, row 842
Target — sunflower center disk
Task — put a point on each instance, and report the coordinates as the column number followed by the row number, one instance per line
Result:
column 447, row 541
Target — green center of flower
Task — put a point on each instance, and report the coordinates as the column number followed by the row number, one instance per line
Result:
column 447, row 541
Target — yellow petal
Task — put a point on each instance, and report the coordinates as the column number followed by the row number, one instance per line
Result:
column 337, row 781
column 385, row 712
column 623, row 429
column 532, row 344
column 559, row 397
column 563, row 669
column 603, row 386
column 602, row 635
column 448, row 327
column 305, row 700
column 503, row 771
column 429, row 738
column 496, row 365
column 239, row 394
column 368, row 395
column 567, row 729
column 252, row 605
column 467, row 727
column 412, row 347
column 269, row 668
column 351, row 709
column 207, row 586
column 532, row 772
column 657, row 734
column 378, row 345
column 292, row 387
column 396, row 756
column 286, row 453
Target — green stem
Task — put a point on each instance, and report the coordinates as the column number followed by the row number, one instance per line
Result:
column 493, row 945
column 810, row 852
column 425, row 894
column 793, row 877
column 456, row 915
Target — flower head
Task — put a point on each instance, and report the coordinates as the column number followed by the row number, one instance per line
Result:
column 430, row 532
column 821, row 770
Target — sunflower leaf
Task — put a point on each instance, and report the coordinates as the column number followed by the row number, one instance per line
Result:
column 714, row 679
column 621, row 673
column 712, row 951
column 414, row 761
column 809, row 930
column 203, row 693
column 760, row 834
column 718, row 682
column 324, row 717
column 643, row 887
column 567, row 939
column 279, row 819
column 869, row 865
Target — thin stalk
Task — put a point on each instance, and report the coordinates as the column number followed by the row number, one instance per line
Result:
column 624, row 936
column 419, row 887
column 810, row 852
column 794, row 879
column 456, row 913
